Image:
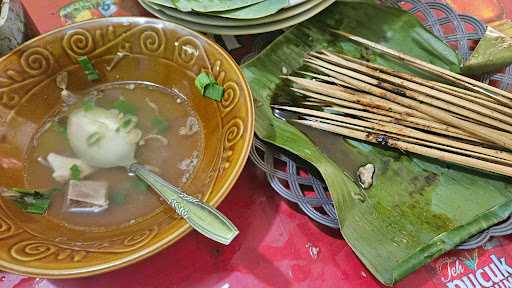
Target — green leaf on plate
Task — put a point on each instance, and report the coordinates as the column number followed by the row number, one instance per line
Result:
column 493, row 52
column 205, row 6
column 417, row 208
column 258, row 10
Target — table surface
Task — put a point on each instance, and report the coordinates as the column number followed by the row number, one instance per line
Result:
column 276, row 241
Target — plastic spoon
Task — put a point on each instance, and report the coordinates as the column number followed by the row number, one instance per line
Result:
column 95, row 136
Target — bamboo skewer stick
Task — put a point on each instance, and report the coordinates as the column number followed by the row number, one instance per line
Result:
column 453, row 110
column 501, row 139
column 334, row 93
column 420, row 85
column 488, row 103
column 414, row 148
column 351, row 90
column 459, row 79
column 327, row 103
column 328, row 89
column 410, row 122
column 460, row 116
column 491, row 103
column 405, row 131
column 338, row 104
column 456, row 89
column 337, row 81
column 431, row 84
column 407, row 120
column 414, row 141
column 453, row 104
column 314, row 102
column 330, row 79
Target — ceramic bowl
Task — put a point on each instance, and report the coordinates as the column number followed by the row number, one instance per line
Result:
column 159, row 52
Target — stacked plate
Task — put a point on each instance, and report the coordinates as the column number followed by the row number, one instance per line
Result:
column 235, row 17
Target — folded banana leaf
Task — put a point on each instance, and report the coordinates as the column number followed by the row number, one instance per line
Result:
column 493, row 52
column 417, row 208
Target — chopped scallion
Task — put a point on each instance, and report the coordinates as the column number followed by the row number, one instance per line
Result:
column 139, row 185
column 118, row 197
column 60, row 129
column 88, row 68
column 209, row 87
column 88, row 105
column 202, row 80
column 75, row 172
column 214, row 91
column 125, row 107
column 159, row 124
column 94, row 138
column 24, row 190
column 31, row 201
column 128, row 122
column 35, row 206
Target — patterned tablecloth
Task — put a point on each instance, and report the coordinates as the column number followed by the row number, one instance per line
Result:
column 281, row 247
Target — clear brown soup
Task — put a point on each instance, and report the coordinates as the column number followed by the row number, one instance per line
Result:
column 138, row 202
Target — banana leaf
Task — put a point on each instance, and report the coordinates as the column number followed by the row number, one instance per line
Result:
column 258, row 10
column 417, row 208
column 205, row 5
column 493, row 52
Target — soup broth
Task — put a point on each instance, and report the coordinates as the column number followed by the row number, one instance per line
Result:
column 172, row 145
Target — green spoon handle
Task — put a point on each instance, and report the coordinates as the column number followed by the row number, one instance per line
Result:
column 201, row 216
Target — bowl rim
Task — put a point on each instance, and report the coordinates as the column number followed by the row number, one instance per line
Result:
column 185, row 229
